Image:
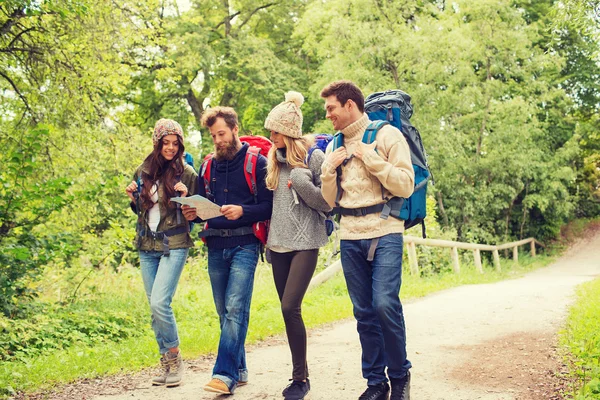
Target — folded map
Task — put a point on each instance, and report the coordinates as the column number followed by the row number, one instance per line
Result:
column 205, row 209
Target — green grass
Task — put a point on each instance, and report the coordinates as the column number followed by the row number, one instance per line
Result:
column 581, row 338
column 198, row 322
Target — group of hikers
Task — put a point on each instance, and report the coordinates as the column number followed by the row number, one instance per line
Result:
column 294, row 186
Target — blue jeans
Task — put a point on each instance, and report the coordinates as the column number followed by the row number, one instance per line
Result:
column 161, row 275
column 231, row 274
column 374, row 288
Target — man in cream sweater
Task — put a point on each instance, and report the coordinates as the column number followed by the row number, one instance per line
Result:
column 371, row 246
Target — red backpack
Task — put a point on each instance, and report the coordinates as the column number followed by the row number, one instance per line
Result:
column 258, row 145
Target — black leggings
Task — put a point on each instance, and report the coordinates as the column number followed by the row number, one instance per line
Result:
column 292, row 272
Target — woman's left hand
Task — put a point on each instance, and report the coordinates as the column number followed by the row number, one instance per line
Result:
column 180, row 187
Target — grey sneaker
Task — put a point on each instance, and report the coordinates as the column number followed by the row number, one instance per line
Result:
column 164, row 368
column 175, row 374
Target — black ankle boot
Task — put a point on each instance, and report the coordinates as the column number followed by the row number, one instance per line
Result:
column 401, row 388
column 376, row 392
column 296, row 390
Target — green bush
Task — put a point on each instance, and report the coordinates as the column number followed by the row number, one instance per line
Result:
column 52, row 328
column 582, row 340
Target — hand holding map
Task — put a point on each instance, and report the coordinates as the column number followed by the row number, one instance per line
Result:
column 205, row 209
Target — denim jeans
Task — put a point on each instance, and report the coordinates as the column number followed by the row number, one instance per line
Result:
column 231, row 274
column 374, row 288
column 161, row 274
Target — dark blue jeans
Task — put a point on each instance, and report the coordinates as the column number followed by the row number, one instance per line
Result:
column 231, row 274
column 374, row 288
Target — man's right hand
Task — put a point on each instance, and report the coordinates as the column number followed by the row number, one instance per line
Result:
column 188, row 212
column 337, row 157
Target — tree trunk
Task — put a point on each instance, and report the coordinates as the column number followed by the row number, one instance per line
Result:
column 196, row 105
column 442, row 209
column 227, row 18
column 487, row 108
column 525, row 211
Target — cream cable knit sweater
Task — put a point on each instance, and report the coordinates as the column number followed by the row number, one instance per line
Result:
column 361, row 181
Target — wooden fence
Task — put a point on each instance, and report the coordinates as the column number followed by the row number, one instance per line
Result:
column 411, row 242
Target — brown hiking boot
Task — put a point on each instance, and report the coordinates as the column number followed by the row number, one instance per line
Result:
column 175, row 374
column 217, row 386
column 164, row 368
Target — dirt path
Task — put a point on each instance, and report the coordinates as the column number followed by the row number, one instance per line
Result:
column 491, row 342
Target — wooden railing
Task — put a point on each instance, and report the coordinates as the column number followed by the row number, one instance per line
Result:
column 411, row 242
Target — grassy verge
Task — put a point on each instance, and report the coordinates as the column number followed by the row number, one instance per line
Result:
column 581, row 338
column 198, row 323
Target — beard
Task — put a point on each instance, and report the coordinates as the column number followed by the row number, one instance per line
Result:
column 227, row 152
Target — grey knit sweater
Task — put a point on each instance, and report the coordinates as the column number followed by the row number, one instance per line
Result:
column 298, row 219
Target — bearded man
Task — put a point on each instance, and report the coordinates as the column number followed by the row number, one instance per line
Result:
column 233, row 249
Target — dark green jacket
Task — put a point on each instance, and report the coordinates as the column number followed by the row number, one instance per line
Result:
column 168, row 217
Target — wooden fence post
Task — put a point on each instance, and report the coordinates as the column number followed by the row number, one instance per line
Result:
column 497, row 260
column 516, row 254
column 477, row 256
column 533, row 248
column 412, row 259
column 455, row 262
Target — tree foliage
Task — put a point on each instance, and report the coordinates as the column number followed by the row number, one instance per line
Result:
column 505, row 92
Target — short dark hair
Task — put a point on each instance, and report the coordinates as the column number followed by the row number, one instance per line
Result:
column 345, row 90
column 209, row 116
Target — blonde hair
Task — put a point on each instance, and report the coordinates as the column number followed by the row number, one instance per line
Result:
column 296, row 153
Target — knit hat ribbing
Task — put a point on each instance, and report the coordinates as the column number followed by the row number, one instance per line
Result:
column 164, row 127
column 286, row 117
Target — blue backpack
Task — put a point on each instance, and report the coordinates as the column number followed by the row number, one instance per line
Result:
column 320, row 142
column 189, row 159
column 393, row 107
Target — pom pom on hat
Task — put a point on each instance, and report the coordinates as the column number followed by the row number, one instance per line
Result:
column 165, row 127
column 295, row 97
column 286, row 117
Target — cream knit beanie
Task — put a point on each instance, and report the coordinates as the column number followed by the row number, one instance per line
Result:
column 286, row 117
column 164, row 127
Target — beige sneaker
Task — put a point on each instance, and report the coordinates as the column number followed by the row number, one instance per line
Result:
column 175, row 374
column 217, row 386
column 164, row 367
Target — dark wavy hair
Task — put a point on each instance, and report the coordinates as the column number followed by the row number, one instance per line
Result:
column 161, row 169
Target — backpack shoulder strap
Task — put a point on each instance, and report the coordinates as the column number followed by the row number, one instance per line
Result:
column 205, row 172
column 311, row 150
column 369, row 137
column 179, row 212
column 371, row 131
column 250, row 170
column 338, row 141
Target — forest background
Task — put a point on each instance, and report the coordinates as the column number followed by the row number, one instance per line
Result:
column 506, row 96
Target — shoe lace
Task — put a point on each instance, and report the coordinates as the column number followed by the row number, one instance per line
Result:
column 174, row 364
column 368, row 394
column 295, row 385
column 164, row 364
column 399, row 390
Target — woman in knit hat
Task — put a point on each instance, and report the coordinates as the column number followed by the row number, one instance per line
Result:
column 162, row 236
column 297, row 227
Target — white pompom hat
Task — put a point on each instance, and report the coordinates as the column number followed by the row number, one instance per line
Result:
column 286, row 117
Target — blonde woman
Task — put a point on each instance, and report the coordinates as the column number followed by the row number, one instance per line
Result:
column 297, row 225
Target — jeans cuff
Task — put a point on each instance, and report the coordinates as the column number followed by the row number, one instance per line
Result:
column 169, row 345
column 227, row 380
column 376, row 381
column 243, row 375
